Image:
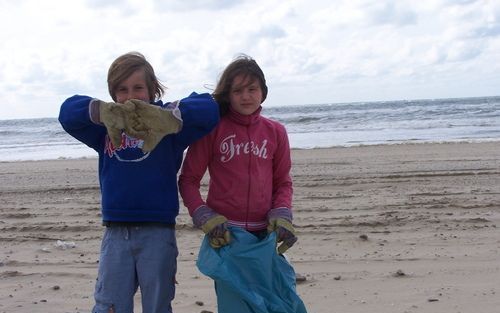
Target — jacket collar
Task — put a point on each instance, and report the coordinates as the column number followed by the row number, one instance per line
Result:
column 244, row 119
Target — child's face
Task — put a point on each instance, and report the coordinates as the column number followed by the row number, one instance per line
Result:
column 134, row 87
column 245, row 95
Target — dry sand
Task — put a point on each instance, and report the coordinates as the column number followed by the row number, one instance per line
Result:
column 399, row 228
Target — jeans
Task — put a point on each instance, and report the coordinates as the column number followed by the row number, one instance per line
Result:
column 135, row 257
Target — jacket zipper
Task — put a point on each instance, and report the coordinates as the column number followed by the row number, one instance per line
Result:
column 249, row 177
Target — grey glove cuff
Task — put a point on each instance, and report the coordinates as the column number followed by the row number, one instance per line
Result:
column 285, row 213
column 94, row 111
column 174, row 107
column 201, row 215
column 176, row 112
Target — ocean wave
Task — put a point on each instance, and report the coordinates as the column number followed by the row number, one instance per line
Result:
column 308, row 125
column 38, row 145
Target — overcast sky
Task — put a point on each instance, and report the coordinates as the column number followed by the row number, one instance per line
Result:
column 323, row 51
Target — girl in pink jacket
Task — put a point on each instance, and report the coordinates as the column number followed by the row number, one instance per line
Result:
column 248, row 159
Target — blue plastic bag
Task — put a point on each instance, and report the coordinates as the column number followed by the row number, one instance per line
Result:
column 250, row 276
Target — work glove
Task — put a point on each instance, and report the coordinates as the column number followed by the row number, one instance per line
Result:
column 154, row 123
column 280, row 221
column 212, row 224
column 117, row 117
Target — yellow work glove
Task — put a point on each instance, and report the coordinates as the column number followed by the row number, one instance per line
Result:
column 285, row 233
column 212, row 224
column 155, row 121
column 117, row 117
column 216, row 229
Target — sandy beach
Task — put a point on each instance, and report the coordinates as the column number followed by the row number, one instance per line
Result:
column 390, row 228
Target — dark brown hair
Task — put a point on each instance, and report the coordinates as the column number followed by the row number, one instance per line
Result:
column 241, row 65
column 126, row 65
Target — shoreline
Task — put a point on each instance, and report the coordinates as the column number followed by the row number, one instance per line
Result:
column 396, row 143
column 382, row 228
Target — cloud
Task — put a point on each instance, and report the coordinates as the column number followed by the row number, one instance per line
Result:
column 98, row 4
column 270, row 31
column 492, row 30
column 388, row 13
column 458, row 2
column 311, row 51
column 196, row 5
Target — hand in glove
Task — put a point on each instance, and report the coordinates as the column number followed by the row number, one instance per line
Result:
column 154, row 123
column 117, row 117
column 280, row 221
column 212, row 224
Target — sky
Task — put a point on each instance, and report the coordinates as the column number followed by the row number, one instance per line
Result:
column 311, row 51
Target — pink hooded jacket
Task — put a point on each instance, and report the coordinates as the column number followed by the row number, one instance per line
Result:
column 248, row 159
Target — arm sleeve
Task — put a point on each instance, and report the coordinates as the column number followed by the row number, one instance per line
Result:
column 282, row 182
column 193, row 169
column 200, row 114
column 75, row 119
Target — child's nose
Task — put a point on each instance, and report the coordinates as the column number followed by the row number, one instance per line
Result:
column 131, row 95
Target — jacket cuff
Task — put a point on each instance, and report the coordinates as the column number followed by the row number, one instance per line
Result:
column 285, row 213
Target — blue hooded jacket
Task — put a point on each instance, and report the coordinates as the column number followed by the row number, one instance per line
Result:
column 137, row 186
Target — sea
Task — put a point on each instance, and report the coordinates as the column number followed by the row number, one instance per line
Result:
column 308, row 125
